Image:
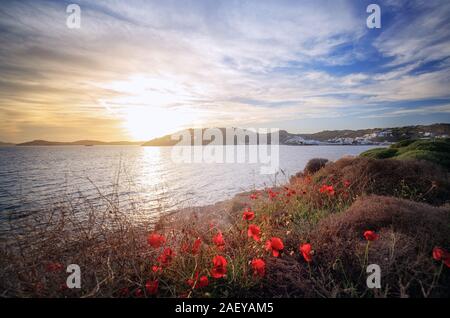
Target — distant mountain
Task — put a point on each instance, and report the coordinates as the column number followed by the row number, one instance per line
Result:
column 3, row 144
column 373, row 136
column 383, row 134
column 80, row 143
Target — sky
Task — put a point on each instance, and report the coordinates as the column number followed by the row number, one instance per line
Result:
column 135, row 70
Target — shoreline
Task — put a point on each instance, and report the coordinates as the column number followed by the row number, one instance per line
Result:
column 283, row 241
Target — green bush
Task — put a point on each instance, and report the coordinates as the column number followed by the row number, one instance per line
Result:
column 380, row 153
column 403, row 143
column 440, row 158
column 434, row 150
column 428, row 145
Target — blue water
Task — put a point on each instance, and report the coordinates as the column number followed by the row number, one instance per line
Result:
column 32, row 179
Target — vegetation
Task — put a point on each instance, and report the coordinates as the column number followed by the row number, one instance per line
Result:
column 434, row 150
column 312, row 238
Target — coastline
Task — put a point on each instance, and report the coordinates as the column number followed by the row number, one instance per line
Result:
column 274, row 242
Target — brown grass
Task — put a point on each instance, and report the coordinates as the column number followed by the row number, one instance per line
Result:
column 414, row 180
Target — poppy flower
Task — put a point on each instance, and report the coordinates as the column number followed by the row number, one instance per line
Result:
column 219, row 267
column 254, row 231
column 306, row 250
column 329, row 189
column 248, row 215
column 272, row 194
column 203, row 281
column 289, row 192
column 438, row 253
column 219, row 241
column 151, row 286
column 254, row 196
column 259, row 267
column 346, row 183
column 370, row 236
column 166, row 257
column 275, row 245
column 191, row 281
column 54, row 267
column 196, row 246
column 198, row 282
column 156, row 268
column 155, row 240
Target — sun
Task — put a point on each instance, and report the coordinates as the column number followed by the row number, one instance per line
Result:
column 149, row 106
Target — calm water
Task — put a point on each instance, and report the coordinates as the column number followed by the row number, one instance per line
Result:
column 33, row 178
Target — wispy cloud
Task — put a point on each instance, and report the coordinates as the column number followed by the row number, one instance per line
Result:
column 215, row 63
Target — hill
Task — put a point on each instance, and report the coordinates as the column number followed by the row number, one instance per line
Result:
column 80, row 143
column 335, row 137
column 5, row 144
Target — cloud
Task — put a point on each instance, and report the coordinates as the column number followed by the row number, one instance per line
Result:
column 224, row 62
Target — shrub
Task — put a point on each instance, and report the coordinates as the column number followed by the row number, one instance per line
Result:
column 380, row 153
column 436, row 151
column 408, row 232
column 315, row 165
column 415, row 180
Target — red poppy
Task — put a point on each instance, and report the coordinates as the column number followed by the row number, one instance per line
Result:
column 156, row 268
column 166, row 257
column 248, row 215
column 219, row 241
column 203, row 281
column 151, row 286
column 329, row 189
column 155, row 240
column 259, row 267
column 254, row 231
column 289, row 192
column 346, row 183
column 306, row 250
column 370, row 236
column 275, row 245
column 196, row 246
column 54, row 267
column 254, row 196
column 219, row 267
column 195, row 282
column 191, row 281
column 272, row 194
column 438, row 253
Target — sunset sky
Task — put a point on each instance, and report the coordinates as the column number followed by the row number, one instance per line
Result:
column 140, row 69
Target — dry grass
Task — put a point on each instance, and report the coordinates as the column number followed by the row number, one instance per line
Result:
column 413, row 180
